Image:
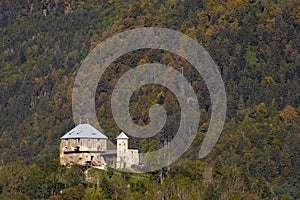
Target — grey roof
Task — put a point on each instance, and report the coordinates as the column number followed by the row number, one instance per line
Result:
column 84, row 131
column 122, row 136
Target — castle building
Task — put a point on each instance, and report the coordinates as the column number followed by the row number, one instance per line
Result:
column 86, row 146
column 125, row 157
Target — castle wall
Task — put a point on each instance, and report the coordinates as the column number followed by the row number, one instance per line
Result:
column 81, row 151
column 132, row 157
column 84, row 144
column 126, row 157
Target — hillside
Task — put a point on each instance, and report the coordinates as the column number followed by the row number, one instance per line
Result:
column 256, row 45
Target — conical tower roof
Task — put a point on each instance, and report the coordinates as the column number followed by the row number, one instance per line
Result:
column 122, row 136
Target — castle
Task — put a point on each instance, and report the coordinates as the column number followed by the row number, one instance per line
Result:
column 86, row 146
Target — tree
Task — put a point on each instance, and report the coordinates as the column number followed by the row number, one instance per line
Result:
column 93, row 194
column 52, row 173
column 212, row 193
column 12, row 176
column 110, row 172
column 261, row 111
column 34, row 182
column 106, row 188
column 22, row 56
column 288, row 114
column 73, row 193
column 75, row 175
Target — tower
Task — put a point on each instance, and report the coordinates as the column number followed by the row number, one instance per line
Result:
column 122, row 148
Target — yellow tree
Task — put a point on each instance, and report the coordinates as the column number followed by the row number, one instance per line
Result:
column 288, row 114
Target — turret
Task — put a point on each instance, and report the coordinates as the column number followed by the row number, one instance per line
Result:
column 122, row 148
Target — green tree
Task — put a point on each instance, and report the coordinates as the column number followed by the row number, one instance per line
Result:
column 93, row 194
column 34, row 182
column 212, row 193
column 73, row 193
column 107, row 188
column 75, row 175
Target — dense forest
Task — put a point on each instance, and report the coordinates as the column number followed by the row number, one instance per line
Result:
column 256, row 45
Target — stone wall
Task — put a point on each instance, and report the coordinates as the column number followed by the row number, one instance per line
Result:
column 82, row 151
column 127, row 157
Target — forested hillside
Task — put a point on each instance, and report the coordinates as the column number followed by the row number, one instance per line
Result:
column 256, row 45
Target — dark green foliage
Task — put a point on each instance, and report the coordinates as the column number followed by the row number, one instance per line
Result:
column 110, row 172
column 107, row 188
column 34, row 185
column 75, row 175
column 73, row 193
column 138, row 187
column 212, row 193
